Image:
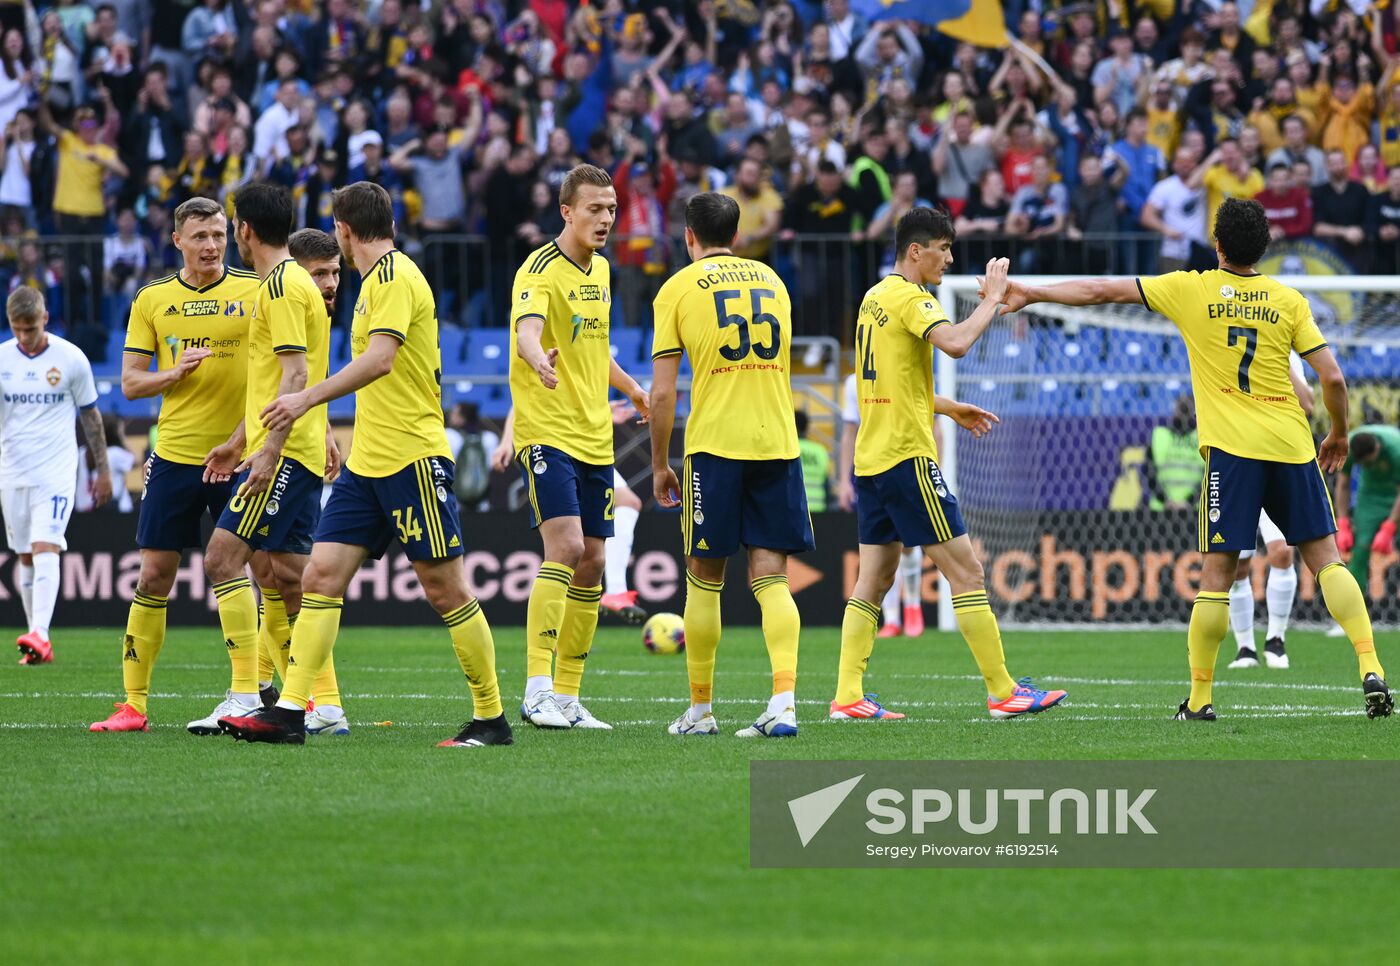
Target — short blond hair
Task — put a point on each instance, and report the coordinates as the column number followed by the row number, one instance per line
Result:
column 578, row 177
column 196, row 208
column 25, row 303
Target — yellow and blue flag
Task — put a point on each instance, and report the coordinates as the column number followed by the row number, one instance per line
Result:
column 979, row 22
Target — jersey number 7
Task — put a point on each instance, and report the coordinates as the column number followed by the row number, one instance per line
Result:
column 1250, row 337
column 725, row 318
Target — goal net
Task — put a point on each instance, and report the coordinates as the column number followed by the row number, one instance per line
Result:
column 1072, row 522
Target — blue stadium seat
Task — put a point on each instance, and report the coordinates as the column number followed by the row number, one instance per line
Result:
column 342, row 408
column 1129, row 352
column 626, row 346
column 454, row 346
column 1372, row 362
column 488, row 352
column 340, row 347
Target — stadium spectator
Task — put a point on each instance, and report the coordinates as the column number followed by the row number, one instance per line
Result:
column 1177, row 211
column 816, row 465
column 1287, row 206
column 1225, row 174
column 1039, row 211
column 959, row 162
column 1295, row 148
column 984, row 217
column 1173, row 468
column 1383, row 224
column 760, row 210
column 1339, row 211
column 1122, row 77
column 1093, row 210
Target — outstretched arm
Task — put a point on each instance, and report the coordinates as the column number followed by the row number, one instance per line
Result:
column 664, row 485
column 1080, row 291
column 376, row 362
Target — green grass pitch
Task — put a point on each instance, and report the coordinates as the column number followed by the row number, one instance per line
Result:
column 612, row 847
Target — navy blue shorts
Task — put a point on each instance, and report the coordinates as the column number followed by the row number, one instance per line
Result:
column 909, row 503
column 416, row 505
column 561, row 486
column 283, row 517
column 756, row 503
column 1235, row 490
column 172, row 511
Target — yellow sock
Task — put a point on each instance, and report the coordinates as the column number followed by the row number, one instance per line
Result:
column 544, row 612
column 145, row 634
column 858, row 628
column 1210, row 619
column 781, row 627
column 702, row 628
column 312, row 640
column 983, row 635
column 1342, row 594
column 238, row 616
column 576, row 629
column 326, row 689
column 274, row 636
column 476, row 652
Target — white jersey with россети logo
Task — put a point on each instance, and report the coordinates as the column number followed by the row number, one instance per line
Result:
column 39, row 399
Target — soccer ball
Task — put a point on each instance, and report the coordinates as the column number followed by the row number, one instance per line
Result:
column 664, row 634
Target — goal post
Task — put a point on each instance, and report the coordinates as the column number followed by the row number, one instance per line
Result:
column 1058, row 499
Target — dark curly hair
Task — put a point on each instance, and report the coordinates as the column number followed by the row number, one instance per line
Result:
column 1242, row 231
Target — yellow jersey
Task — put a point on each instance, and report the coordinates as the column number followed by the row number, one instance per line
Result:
column 574, row 304
column 1221, row 184
column 289, row 315
column 78, row 184
column 398, row 418
column 170, row 315
column 894, row 374
column 1239, row 330
column 733, row 318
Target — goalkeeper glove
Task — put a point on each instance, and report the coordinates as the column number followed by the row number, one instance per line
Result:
column 1345, row 539
column 1385, row 538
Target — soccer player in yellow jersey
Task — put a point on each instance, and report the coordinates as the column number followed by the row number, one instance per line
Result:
column 194, row 326
column 1239, row 327
column 276, row 500
column 560, row 370
column 319, row 254
column 901, row 496
column 396, row 483
column 743, row 479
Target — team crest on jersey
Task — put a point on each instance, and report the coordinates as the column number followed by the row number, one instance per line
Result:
column 1227, row 291
column 234, row 309
column 54, row 376
column 539, row 467
column 272, row 508
column 698, row 517
column 442, row 494
column 1214, row 514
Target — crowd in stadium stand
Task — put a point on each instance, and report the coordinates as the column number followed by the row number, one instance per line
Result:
column 1102, row 140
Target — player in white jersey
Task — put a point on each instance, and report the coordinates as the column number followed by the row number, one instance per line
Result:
column 44, row 382
column 902, row 606
column 1282, row 585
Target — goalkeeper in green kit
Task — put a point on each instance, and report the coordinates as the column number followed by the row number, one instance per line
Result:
column 1375, row 454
